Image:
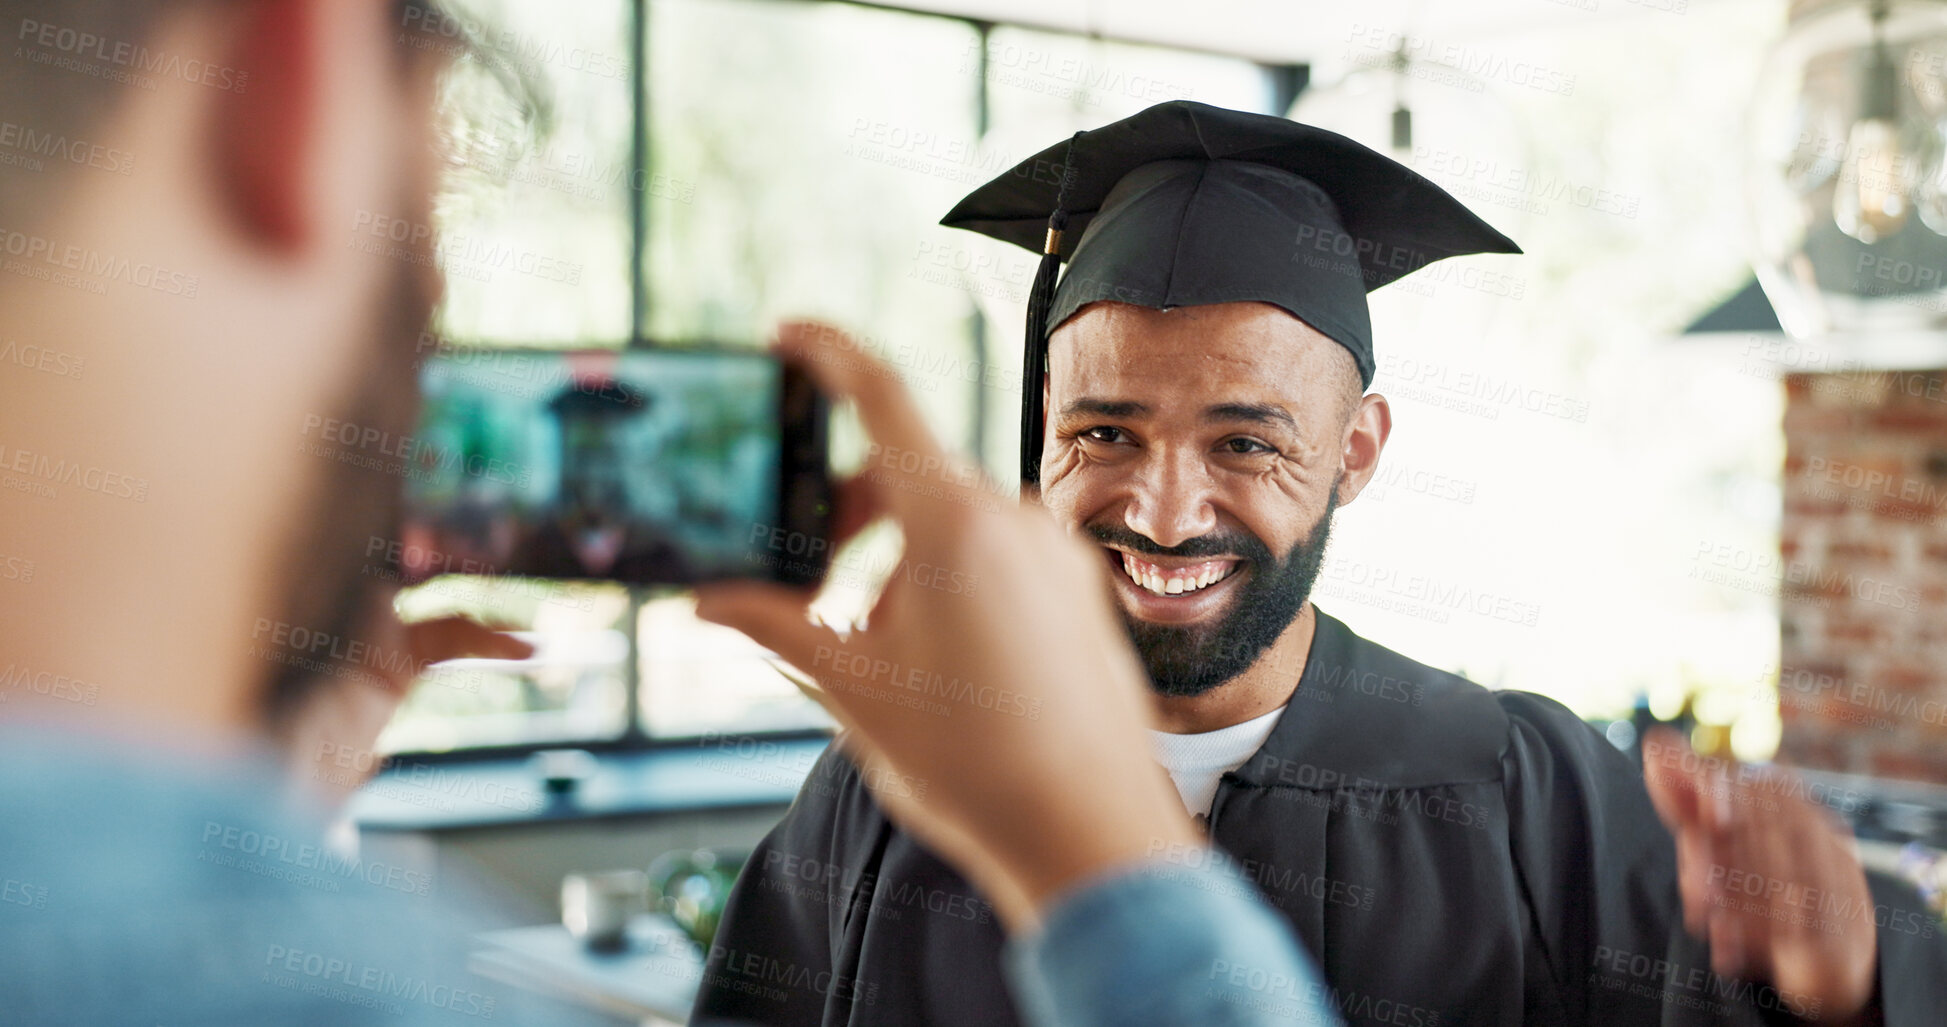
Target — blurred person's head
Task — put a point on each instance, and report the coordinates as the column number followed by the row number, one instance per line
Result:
column 1205, row 449
column 220, row 211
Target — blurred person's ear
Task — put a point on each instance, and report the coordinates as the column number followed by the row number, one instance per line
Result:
column 266, row 133
column 295, row 146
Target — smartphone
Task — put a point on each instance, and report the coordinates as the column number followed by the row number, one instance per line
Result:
column 644, row 466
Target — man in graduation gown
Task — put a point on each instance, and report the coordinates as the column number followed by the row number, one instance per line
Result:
column 1450, row 855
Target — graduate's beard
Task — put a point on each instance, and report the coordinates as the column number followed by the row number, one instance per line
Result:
column 1191, row 660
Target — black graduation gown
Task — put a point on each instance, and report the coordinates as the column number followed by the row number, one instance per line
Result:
column 1450, row 855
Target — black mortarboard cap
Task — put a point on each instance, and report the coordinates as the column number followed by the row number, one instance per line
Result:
column 1186, row 204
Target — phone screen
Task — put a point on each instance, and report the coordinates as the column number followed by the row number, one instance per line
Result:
column 640, row 465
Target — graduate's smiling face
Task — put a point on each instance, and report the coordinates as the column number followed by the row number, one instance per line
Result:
column 1205, row 448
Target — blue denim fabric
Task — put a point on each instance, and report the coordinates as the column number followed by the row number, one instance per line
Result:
column 1165, row 945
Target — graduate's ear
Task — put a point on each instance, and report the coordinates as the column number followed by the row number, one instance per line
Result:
column 265, row 136
column 1365, row 436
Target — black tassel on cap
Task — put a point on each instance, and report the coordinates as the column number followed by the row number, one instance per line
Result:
column 1034, row 356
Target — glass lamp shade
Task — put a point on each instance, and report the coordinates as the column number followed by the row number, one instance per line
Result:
column 1847, row 169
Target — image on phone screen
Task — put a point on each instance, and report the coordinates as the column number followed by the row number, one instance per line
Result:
column 639, row 465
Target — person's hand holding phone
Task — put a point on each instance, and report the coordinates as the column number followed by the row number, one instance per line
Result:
column 1003, row 721
column 348, row 720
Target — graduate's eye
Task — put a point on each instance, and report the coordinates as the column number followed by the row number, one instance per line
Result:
column 1244, row 446
column 1105, row 433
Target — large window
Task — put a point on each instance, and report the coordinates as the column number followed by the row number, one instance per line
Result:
column 1562, row 467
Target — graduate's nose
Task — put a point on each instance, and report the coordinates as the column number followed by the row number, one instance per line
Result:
column 1171, row 498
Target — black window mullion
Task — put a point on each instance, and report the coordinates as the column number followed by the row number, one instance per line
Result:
column 633, row 734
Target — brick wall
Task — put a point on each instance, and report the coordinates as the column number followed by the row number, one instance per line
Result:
column 1863, row 684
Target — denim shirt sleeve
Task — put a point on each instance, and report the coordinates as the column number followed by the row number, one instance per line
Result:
column 1165, row 945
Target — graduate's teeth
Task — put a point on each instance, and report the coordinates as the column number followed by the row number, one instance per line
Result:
column 1153, row 578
